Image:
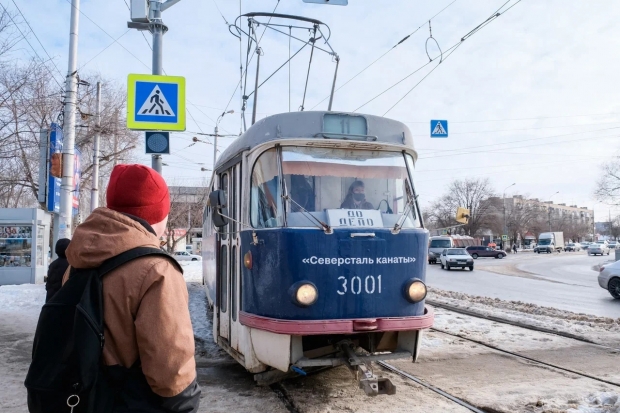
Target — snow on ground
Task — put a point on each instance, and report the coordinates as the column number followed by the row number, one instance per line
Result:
column 602, row 330
column 599, row 403
column 192, row 271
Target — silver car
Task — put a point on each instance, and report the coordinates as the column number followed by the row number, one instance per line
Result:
column 609, row 279
column 598, row 249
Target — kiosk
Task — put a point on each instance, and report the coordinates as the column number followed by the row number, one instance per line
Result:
column 24, row 245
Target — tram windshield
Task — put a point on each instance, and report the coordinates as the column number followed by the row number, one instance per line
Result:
column 343, row 188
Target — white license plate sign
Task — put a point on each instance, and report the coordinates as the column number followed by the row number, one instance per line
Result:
column 364, row 218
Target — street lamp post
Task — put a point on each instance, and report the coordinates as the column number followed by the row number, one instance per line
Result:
column 549, row 209
column 504, row 201
column 219, row 118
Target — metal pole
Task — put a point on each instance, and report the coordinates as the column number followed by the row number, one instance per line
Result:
column 215, row 146
column 157, row 29
column 331, row 97
column 258, row 51
column 94, row 192
column 68, row 147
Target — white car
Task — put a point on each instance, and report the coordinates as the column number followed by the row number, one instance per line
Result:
column 456, row 258
column 186, row 256
column 609, row 279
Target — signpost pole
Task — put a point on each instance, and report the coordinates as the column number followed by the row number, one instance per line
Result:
column 94, row 192
column 157, row 30
column 66, row 192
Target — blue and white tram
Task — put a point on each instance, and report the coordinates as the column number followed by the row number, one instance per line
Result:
column 314, row 249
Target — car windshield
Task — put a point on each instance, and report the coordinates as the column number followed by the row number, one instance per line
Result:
column 457, row 252
column 544, row 241
column 339, row 187
column 440, row 243
column 571, row 244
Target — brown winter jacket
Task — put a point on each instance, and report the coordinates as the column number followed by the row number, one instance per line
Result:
column 146, row 311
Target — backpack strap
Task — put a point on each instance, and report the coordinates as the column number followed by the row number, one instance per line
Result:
column 132, row 254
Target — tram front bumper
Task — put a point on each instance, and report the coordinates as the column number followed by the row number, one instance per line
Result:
column 338, row 326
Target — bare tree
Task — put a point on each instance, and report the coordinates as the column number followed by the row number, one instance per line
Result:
column 521, row 216
column 186, row 207
column 608, row 186
column 472, row 194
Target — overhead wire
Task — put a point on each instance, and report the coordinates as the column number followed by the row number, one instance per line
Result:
column 29, row 44
column 388, row 51
column 37, row 37
column 449, row 52
column 518, row 119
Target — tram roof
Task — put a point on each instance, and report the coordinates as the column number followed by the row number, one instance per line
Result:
column 309, row 125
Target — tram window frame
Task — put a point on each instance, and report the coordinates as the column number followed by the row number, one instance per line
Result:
column 225, row 185
column 223, row 305
column 276, row 206
column 233, row 283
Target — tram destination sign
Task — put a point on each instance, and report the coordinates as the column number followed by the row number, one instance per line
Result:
column 354, row 218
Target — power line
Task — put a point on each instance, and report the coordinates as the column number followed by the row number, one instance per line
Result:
column 441, row 57
column 29, row 44
column 530, row 139
column 523, row 129
column 36, row 37
column 517, row 119
column 109, row 35
column 106, row 48
column 388, row 51
column 141, row 31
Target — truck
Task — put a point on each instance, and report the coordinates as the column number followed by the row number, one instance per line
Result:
column 549, row 242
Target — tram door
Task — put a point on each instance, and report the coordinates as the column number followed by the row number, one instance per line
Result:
column 228, row 258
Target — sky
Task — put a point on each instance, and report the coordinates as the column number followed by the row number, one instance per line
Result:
column 530, row 98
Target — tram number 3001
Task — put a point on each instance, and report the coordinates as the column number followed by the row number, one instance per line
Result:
column 355, row 285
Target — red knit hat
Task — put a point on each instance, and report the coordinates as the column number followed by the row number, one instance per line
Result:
column 138, row 190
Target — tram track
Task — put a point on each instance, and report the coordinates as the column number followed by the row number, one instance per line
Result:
column 516, row 323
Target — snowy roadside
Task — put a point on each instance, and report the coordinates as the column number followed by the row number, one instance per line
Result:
column 602, row 330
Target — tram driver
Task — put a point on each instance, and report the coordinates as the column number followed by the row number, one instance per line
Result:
column 356, row 197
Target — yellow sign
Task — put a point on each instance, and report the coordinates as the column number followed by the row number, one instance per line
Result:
column 462, row 215
column 155, row 102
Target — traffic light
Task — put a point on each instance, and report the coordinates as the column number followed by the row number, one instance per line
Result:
column 462, row 215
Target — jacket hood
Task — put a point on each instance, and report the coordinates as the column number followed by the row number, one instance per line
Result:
column 61, row 247
column 105, row 234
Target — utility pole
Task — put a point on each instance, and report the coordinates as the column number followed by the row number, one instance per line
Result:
column 94, row 192
column 68, row 147
column 151, row 13
column 504, row 201
column 215, row 134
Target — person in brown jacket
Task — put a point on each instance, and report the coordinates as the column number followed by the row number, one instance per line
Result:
column 149, row 341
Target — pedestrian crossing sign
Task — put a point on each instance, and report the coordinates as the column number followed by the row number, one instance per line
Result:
column 439, row 128
column 155, row 102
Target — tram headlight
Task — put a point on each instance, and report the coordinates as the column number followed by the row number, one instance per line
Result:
column 304, row 293
column 415, row 290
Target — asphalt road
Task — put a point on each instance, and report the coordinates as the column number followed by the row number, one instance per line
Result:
column 565, row 281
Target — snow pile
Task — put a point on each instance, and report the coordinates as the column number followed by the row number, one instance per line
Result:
column 599, row 403
column 206, row 349
column 603, row 330
column 192, row 271
column 22, row 298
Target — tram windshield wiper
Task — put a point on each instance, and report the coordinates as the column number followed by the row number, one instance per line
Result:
column 322, row 225
column 409, row 207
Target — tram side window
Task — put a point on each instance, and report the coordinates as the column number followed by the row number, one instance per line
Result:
column 266, row 197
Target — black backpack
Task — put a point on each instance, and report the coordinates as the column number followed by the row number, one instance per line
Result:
column 67, row 373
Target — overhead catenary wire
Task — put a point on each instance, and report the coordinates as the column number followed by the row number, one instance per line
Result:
column 386, row 52
column 449, row 52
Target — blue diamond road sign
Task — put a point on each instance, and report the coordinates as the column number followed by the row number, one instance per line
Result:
column 439, row 128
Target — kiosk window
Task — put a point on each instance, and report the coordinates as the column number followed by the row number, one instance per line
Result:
column 15, row 245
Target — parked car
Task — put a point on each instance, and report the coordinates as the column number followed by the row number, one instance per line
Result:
column 479, row 251
column 456, row 258
column 598, row 249
column 584, row 245
column 186, row 256
column 613, row 245
column 609, row 279
column 572, row 246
